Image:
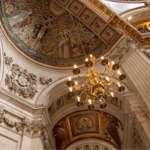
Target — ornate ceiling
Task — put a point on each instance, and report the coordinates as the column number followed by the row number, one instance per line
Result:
column 87, row 124
column 45, row 31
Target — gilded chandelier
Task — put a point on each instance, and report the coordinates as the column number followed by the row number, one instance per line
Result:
column 95, row 87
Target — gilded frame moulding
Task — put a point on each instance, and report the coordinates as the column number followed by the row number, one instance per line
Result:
column 118, row 22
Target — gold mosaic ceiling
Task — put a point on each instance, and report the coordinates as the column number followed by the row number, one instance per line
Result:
column 56, row 32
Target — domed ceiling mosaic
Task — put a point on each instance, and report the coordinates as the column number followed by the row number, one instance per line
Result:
column 55, row 32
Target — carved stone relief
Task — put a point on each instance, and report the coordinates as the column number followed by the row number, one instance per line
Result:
column 20, row 81
column 8, row 60
column 141, row 109
column 123, row 50
column 35, row 128
column 45, row 81
column 135, row 139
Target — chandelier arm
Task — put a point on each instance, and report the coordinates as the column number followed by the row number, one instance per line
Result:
column 82, row 92
column 101, row 73
column 112, row 75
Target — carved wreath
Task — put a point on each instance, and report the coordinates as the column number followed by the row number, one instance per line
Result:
column 21, row 82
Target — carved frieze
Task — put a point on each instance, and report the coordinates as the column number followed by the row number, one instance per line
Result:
column 35, row 128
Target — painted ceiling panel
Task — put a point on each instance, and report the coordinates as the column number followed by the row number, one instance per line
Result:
column 88, row 124
column 54, row 32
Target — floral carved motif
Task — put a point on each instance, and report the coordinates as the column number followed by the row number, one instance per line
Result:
column 22, row 82
column 8, row 60
column 9, row 122
column 44, row 81
column 33, row 128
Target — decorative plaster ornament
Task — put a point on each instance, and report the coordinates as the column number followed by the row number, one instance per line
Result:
column 34, row 128
column 44, row 81
column 22, row 82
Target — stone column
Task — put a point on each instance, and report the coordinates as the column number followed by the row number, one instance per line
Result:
column 138, row 122
column 137, row 68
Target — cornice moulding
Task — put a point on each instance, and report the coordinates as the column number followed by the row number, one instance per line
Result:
column 7, row 96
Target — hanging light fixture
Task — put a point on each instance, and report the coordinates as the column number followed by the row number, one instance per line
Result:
column 95, row 87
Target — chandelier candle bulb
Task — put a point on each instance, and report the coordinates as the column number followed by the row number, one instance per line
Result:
column 76, row 82
column 91, row 55
column 107, row 78
column 100, row 100
column 69, row 78
column 86, row 59
column 70, row 89
column 113, row 62
column 78, row 98
column 90, row 101
column 118, row 83
column 102, row 58
column 75, row 66
column 119, row 72
column 112, row 94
